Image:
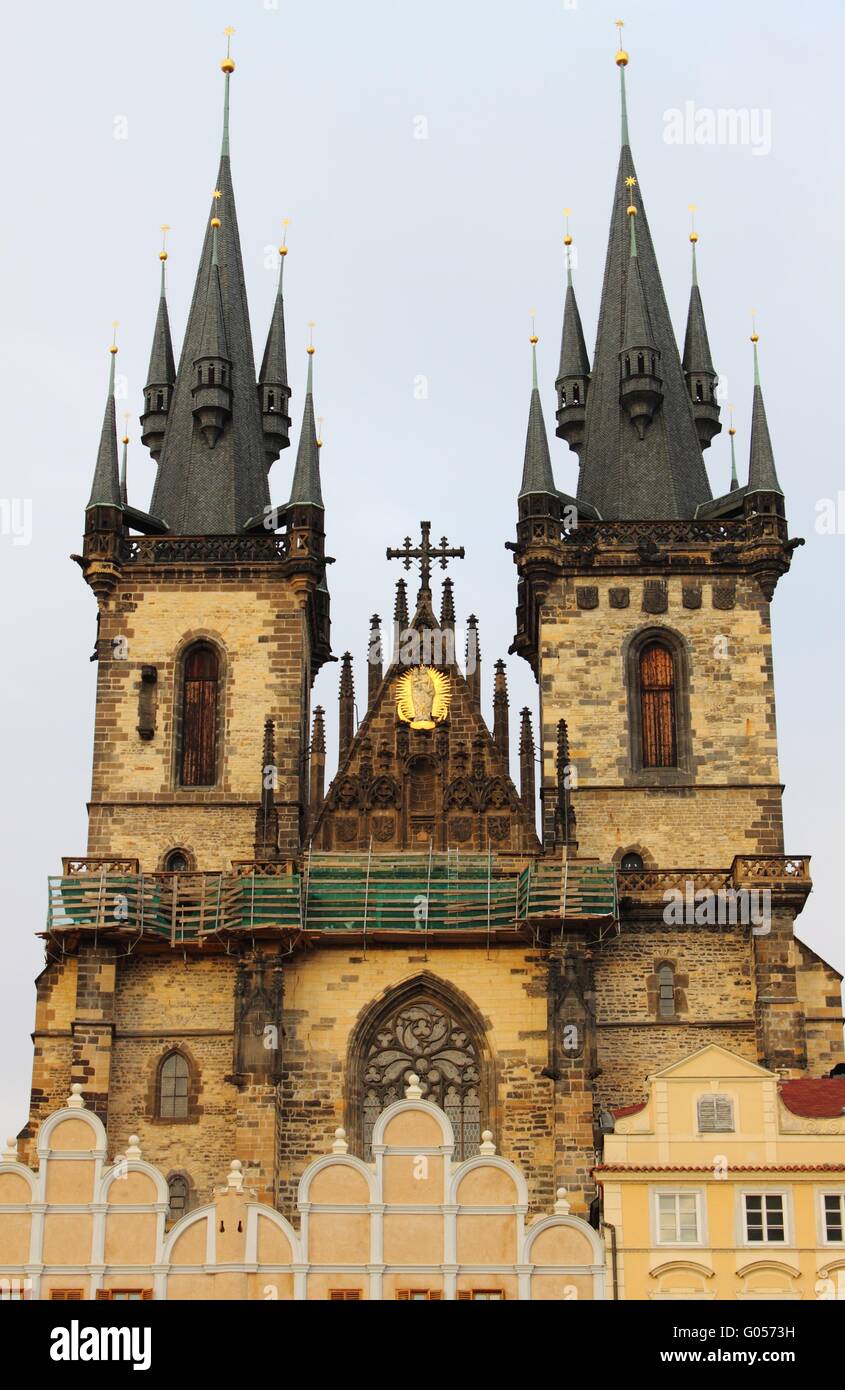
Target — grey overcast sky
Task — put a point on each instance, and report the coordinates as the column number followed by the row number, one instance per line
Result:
column 417, row 258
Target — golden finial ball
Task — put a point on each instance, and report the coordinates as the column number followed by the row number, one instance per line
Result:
column 534, row 340
column 631, row 210
column 732, row 431
column 162, row 255
column 215, row 221
column 567, row 240
column 113, row 349
column 125, row 439
column 755, row 337
column 227, row 66
column 621, row 59
column 319, row 443
column 693, row 236
column 310, row 350
column 283, row 250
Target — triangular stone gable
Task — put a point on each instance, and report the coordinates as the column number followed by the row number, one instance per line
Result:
column 410, row 789
column 712, row 1060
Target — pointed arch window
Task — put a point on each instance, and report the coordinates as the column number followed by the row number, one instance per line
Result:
column 657, row 697
column 174, row 1079
column 200, row 695
column 424, row 1036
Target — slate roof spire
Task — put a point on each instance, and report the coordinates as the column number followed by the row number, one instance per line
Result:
column 762, row 475
column 105, row 487
column 273, row 389
column 623, row 476
column 161, row 372
column 305, row 487
column 699, row 372
column 573, row 379
column 124, row 465
column 537, row 475
column 732, row 433
column 212, row 475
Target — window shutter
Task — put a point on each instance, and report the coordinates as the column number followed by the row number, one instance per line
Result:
column 104, row 1294
column 657, row 701
column 199, row 718
column 464, row 1293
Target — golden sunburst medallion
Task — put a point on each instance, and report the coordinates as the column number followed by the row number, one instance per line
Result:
column 423, row 696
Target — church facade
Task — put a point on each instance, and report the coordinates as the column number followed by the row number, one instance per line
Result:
column 252, row 955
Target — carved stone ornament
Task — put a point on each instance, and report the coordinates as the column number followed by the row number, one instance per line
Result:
column 587, row 596
column 724, row 595
column 620, row 598
column 691, row 595
column 383, row 828
column 655, row 596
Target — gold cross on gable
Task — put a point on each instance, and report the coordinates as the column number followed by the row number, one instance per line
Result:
column 425, row 552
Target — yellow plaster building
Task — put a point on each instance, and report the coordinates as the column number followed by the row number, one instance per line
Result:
column 728, row 1183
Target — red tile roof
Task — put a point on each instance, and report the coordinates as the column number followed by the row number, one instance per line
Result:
column 821, row 1097
column 708, row 1168
column 629, row 1110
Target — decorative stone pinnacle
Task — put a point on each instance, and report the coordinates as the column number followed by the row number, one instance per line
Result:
column 235, row 1177
column 340, row 1145
column 10, row 1153
column 562, row 1207
column 487, row 1147
column 134, row 1149
column 413, row 1090
column 74, row 1100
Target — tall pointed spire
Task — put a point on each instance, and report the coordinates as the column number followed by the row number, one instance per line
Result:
column 573, row 380
column 124, row 465
column 500, row 710
column 317, row 784
column 161, row 372
column 200, row 489
column 641, row 389
column 473, row 661
column 375, row 660
column 526, row 763
column 732, row 433
column 537, row 475
column 400, row 607
column 762, row 475
column 273, row 389
column 662, row 474
column 447, row 605
column 305, row 487
column 105, row 487
column 699, row 372
column 346, row 703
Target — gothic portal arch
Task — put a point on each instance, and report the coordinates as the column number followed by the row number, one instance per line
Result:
column 427, row 1027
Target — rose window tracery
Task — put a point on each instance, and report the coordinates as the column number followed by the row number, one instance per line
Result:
column 424, row 1038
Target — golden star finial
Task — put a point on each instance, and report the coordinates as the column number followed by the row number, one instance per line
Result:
column 621, row 55
column 283, row 249
column 567, row 239
column 165, row 228
column 311, row 327
column 534, row 339
column 217, row 193
column 630, row 182
column 115, row 325
column 693, row 234
column 228, row 64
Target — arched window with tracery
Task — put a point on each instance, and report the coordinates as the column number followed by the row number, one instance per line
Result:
column 422, row 1035
column 657, row 696
column 198, row 746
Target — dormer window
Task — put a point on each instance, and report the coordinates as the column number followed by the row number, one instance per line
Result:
column 576, row 394
column 640, row 364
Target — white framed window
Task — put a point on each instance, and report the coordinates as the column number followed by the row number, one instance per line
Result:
column 677, row 1217
column 832, row 1217
column 715, row 1114
column 764, row 1218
